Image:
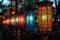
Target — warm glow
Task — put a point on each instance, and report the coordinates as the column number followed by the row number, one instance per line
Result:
column 52, row 19
column 36, row 21
column 45, row 18
column 21, row 21
column 16, row 20
column 4, row 22
column 8, row 21
column 12, row 20
column 13, row 12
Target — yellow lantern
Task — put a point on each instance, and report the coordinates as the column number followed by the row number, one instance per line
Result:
column 45, row 16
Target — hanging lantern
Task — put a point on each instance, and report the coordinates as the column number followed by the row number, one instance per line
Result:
column 45, row 16
column 30, row 20
column 21, row 21
column 16, row 20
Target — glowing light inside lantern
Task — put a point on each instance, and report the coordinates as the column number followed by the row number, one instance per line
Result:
column 30, row 20
column 12, row 20
column 45, row 18
column 8, row 21
column 4, row 22
column 21, row 21
column 13, row 12
column 16, row 20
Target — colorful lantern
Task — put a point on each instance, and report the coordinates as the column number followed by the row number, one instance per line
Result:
column 21, row 20
column 12, row 20
column 30, row 20
column 45, row 16
column 16, row 20
column 6, row 21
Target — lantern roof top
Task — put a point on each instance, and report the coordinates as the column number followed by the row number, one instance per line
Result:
column 44, row 2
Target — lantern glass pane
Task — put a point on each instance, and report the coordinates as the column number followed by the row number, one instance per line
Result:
column 30, row 19
column 12, row 20
column 45, row 16
column 21, row 21
column 16, row 20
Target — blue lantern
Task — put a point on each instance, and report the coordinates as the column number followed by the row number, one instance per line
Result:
column 30, row 20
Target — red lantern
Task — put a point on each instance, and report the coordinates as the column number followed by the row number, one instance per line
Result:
column 21, row 21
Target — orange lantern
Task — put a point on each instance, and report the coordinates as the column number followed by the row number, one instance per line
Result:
column 7, row 21
column 45, row 16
